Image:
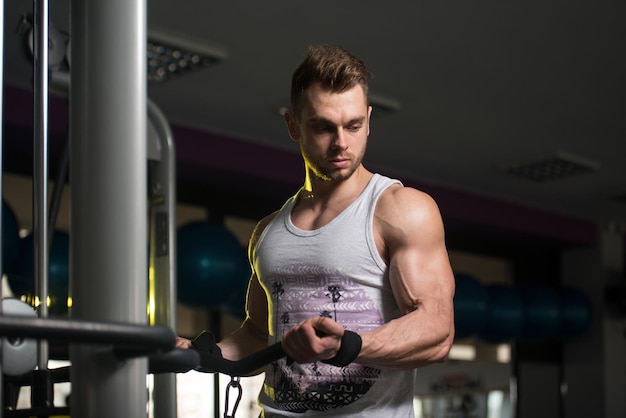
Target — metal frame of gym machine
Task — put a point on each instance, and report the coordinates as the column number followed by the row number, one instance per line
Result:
column 111, row 332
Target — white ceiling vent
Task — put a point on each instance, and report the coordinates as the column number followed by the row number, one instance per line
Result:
column 550, row 167
column 170, row 56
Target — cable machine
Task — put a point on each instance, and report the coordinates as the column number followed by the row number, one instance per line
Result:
column 112, row 162
column 122, row 158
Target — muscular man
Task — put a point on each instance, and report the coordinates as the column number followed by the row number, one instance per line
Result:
column 351, row 253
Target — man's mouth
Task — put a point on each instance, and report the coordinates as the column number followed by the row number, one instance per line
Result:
column 340, row 162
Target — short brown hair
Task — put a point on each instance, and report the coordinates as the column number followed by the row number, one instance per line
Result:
column 333, row 67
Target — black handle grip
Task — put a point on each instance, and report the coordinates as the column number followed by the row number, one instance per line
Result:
column 176, row 361
column 181, row 361
column 246, row 365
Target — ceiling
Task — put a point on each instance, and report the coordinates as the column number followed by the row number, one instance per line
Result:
column 475, row 85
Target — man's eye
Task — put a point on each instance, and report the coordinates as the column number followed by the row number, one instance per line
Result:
column 354, row 128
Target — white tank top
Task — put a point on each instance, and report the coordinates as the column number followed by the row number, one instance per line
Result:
column 334, row 271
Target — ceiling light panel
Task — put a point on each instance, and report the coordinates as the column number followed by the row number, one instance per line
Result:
column 170, row 56
column 166, row 61
column 550, row 167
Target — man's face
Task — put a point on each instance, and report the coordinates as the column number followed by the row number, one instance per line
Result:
column 332, row 131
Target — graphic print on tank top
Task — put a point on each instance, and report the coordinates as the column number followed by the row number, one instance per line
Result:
column 303, row 292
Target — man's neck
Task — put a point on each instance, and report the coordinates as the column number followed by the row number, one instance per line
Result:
column 321, row 203
column 321, row 192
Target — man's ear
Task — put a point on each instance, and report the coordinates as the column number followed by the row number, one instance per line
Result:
column 292, row 126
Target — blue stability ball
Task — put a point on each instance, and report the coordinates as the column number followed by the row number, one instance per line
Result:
column 542, row 313
column 471, row 304
column 10, row 237
column 21, row 278
column 505, row 319
column 576, row 312
column 209, row 264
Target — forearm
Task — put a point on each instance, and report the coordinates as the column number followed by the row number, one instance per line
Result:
column 252, row 335
column 243, row 342
column 406, row 343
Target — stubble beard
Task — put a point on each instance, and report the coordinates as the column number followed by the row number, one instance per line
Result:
column 330, row 174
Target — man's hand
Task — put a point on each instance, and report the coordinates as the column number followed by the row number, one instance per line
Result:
column 206, row 347
column 183, row 343
column 315, row 339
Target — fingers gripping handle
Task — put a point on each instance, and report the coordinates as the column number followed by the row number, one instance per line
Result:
column 211, row 360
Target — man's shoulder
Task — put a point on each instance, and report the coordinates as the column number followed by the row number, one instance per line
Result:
column 400, row 202
column 263, row 223
column 398, row 194
column 259, row 228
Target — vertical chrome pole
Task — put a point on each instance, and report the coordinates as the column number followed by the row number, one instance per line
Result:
column 1, row 158
column 40, row 171
column 163, row 251
column 108, row 209
column 42, row 388
column 1, row 138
